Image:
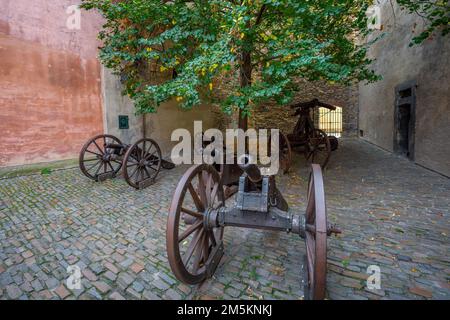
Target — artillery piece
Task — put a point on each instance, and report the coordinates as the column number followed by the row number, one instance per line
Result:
column 104, row 155
column 198, row 215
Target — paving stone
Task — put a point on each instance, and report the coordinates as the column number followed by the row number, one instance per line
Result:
column 102, row 286
column 110, row 275
column 393, row 214
column 138, row 286
column 133, row 294
column 62, row 292
column 160, row 284
column 125, row 279
column 13, row 291
column 149, row 295
column 116, row 296
column 421, row 292
column 89, row 274
column 136, row 267
column 52, row 283
column 172, row 295
column 111, row 267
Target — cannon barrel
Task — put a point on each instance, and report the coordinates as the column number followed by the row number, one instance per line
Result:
column 252, row 170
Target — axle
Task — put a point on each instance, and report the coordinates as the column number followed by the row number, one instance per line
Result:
column 275, row 219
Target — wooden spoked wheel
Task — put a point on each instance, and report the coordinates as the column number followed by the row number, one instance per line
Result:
column 318, row 149
column 142, row 162
column 190, row 243
column 285, row 153
column 315, row 237
column 101, row 155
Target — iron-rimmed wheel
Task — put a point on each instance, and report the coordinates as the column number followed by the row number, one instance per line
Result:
column 97, row 158
column 142, row 161
column 318, row 148
column 190, row 243
column 315, row 237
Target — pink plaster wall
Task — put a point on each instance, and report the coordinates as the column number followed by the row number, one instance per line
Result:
column 50, row 85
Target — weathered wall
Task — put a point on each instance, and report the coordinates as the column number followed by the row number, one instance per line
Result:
column 274, row 116
column 429, row 65
column 50, row 90
column 115, row 105
column 158, row 126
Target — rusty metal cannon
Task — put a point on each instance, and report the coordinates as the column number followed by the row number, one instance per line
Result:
column 104, row 155
column 198, row 215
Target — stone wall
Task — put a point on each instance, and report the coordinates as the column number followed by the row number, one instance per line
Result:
column 50, row 92
column 270, row 115
column 427, row 64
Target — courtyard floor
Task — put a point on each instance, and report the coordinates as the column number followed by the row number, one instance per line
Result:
column 394, row 215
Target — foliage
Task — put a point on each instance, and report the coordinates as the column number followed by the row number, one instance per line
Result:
column 264, row 43
column 435, row 12
column 46, row 171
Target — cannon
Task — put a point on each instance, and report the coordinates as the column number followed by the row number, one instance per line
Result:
column 104, row 155
column 316, row 144
column 198, row 215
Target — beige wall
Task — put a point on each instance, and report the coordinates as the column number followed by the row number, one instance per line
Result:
column 429, row 65
column 158, row 126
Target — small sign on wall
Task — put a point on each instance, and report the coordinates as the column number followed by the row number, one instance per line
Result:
column 123, row 122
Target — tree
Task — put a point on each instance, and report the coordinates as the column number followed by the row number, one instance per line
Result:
column 436, row 13
column 263, row 43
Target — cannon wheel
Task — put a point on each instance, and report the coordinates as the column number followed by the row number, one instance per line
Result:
column 190, row 246
column 95, row 159
column 318, row 148
column 285, row 153
column 315, row 237
column 142, row 162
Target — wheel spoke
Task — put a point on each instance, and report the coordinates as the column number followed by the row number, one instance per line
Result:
column 188, row 254
column 208, row 190
column 212, row 237
column 99, row 149
column 94, row 165
column 97, row 154
column 214, row 193
column 198, row 203
column 190, row 230
column 205, row 247
column 198, row 254
column 202, row 188
column 310, row 248
column 146, row 171
column 134, row 172
column 192, row 213
column 109, row 164
column 98, row 169
column 311, row 206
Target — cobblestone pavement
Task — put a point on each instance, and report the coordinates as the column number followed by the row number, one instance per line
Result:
column 393, row 213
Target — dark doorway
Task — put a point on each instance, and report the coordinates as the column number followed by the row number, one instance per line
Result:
column 405, row 114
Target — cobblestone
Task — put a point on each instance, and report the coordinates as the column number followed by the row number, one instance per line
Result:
column 393, row 214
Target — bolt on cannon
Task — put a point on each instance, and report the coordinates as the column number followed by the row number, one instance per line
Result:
column 198, row 215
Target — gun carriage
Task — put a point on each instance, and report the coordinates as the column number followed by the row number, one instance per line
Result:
column 316, row 144
column 104, row 155
column 198, row 215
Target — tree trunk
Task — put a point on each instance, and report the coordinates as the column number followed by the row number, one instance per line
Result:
column 245, row 80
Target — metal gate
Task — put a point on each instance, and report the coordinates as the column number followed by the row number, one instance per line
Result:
column 329, row 121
